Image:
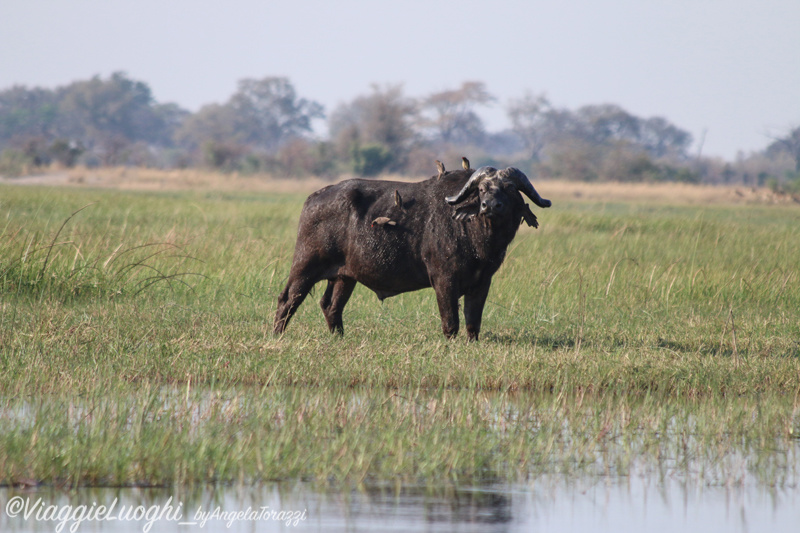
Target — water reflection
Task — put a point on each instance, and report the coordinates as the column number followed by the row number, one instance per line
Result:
column 550, row 504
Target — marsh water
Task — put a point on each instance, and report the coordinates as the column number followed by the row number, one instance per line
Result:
column 551, row 504
column 616, row 464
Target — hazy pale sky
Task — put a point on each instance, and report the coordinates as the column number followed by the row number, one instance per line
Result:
column 727, row 67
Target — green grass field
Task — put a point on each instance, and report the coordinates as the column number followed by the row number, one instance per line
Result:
column 136, row 348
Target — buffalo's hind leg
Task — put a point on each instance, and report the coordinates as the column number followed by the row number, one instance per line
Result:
column 290, row 299
column 333, row 301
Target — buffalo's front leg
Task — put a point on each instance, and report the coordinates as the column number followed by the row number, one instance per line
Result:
column 474, row 300
column 333, row 301
column 447, row 298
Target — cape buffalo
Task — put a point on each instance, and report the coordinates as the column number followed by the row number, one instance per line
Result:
column 449, row 232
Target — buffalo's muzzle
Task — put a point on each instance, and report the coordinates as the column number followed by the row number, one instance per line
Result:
column 492, row 208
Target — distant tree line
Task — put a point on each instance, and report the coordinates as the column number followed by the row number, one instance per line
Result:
column 265, row 126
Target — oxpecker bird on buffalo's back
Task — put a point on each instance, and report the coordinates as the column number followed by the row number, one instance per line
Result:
column 451, row 234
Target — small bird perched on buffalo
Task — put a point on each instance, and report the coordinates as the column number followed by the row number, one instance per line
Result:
column 398, row 200
column 383, row 221
column 465, row 163
column 440, row 168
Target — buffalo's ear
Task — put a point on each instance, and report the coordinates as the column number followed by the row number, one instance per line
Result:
column 529, row 217
column 466, row 212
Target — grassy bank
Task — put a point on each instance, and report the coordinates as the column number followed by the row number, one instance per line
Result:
column 118, row 304
column 172, row 287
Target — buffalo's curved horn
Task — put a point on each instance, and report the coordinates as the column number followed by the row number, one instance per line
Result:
column 523, row 185
column 473, row 182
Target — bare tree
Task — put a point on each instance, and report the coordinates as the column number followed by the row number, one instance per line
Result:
column 532, row 118
column 378, row 124
column 452, row 113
